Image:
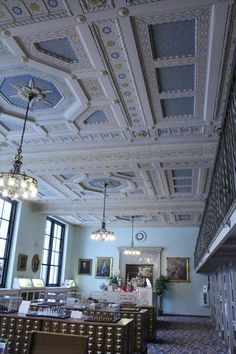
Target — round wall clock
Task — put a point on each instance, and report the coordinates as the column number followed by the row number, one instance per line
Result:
column 140, row 236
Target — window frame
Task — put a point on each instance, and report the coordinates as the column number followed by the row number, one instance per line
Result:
column 7, row 251
column 48, row 265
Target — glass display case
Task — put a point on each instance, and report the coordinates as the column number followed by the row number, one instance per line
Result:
column 9, row 304
column 105, row 314
column 38, row 283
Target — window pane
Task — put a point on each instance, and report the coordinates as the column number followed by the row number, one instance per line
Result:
column 45, row 257
column 6, row 218
column 48, row 227
column 52, row 255
column 56, row 244
column 53, row 275
column 43, row 272
column 1, row 269
column 6, row 210
column 2, row 247
column 55, row 258
column 4, row 228
column 46, row 242
column 1, row 206
column 57, row 231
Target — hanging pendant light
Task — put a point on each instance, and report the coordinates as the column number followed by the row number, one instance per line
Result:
column 132, row 251
column 14, row 184
column 103, row 234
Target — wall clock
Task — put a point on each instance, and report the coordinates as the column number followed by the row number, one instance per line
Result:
column 140, row 236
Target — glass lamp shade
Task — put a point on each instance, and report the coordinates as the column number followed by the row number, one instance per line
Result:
column 132, row 251
column 17, row 186
column 103, row 235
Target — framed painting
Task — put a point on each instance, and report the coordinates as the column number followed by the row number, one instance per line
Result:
column 103, row 267
column 85, row 266
column 178, row 269
column 22, row 262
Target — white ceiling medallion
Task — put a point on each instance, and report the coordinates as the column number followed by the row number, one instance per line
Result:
column 140, row 236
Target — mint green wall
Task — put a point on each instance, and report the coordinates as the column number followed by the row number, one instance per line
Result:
column 181, row 298
column 29, row 240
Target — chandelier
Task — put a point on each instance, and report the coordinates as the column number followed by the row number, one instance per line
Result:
column 132, row 251
column 14, row 184
column 102, row 233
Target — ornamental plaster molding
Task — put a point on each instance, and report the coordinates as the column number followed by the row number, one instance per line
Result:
column 33, row 12
column 115, row 56
column 93, row 88
column 67, row 96
column 73, row 37
column 202, row 16
column 111, row 121
column 136, row 154
column 96, row 5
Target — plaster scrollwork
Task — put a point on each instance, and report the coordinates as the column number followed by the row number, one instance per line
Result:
column 93, row 88
column 109, row 32
column 96, row 5
column 16, row 13
column 86, row 159
column 140, row 2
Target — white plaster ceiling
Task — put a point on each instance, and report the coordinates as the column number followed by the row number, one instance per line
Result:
column 134, row 93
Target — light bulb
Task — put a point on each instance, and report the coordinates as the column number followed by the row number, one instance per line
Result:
column 25, row 195
column 5, row 193
column 11, row 182
column 23, row 184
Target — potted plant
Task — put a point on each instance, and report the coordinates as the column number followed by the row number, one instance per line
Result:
column 160, row 287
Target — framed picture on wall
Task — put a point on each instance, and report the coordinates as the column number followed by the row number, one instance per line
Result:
column 178, row 269
column 22, row 262
column 85, row 266
column 103, row 267
column 35, row 263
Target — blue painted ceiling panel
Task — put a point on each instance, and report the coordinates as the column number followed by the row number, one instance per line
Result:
column 173, row 39
column 59, row 48
column 178, row 106
column 96, row 117
column 176, row 78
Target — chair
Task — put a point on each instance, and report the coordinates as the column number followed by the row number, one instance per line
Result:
column 56, row 343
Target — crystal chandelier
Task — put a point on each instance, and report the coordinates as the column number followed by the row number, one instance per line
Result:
column 132, row 251
column 14, row 184
column 102, row 233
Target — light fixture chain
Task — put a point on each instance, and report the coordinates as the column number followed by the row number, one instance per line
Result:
column 19, row 150
column 104, row 203
column 132, row 240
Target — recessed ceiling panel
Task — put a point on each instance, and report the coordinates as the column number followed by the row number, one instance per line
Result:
column 59, row 48
column 182, row 173
column 14, row 90
column 97, row 117
column 183, row 106
column 173, row 39
column 99, row 183
column 176, row 78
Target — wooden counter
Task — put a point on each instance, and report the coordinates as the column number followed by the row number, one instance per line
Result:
column 104, row 338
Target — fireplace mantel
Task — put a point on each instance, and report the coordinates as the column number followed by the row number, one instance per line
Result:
column 149, row 255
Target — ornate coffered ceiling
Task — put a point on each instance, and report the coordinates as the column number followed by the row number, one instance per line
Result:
column 133, row 92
